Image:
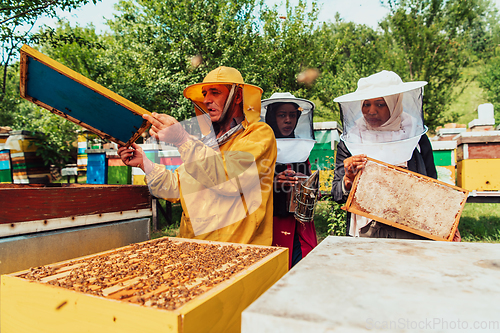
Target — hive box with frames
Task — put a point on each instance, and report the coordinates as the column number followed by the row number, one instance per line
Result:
column 162, row 285
column 68, row 94
column 407, row 200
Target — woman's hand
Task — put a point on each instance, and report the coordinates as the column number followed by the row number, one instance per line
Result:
column 288, row 178
column 352, row 166
column 165, row 128
column 134, row 156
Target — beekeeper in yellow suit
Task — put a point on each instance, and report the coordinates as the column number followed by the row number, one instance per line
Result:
column 225, row 182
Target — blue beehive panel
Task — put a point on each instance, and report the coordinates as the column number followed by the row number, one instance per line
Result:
column 97, row 169
column 78, row 101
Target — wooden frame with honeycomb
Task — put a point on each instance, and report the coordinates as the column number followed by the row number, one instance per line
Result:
column 407, row 200
column 55, row 87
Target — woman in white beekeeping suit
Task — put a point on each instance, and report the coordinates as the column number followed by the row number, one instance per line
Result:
column 382, row 119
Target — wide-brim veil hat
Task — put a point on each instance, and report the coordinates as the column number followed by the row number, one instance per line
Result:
column 298, row 148
column 225, row 75
column 384, row 83
column 287, row 97
column 390, row 146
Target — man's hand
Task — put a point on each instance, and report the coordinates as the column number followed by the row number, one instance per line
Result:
column 352, row 166
column 134, row 156
column 165, row 128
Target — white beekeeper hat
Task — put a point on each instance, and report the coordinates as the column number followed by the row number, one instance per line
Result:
column 298, row 148
column 384, row 83
column 286, row 97
column 390, row 146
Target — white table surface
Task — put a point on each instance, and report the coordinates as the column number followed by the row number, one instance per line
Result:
column 351, row 284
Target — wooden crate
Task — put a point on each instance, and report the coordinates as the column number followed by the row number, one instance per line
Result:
column 478, row 145
column 444, row 157
column 407, row 200
column 478, row 151
column 118, row 172
column 35, row 208
column 164, row 285
column 5, row 167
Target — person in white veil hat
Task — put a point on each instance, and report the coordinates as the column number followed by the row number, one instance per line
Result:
column 382, row 119
column 291, row 119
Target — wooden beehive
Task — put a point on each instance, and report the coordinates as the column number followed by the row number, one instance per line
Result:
column 478, row 156
column 164, row 285
column 35, row 207
column 407, row 200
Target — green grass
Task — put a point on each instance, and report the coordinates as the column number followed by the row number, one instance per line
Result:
column 322, row 213
column 480, row 222
column 63, row 180
column 167, row 231
column 164, row 229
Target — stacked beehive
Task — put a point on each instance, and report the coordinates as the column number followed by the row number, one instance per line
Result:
column 445, row 160
column 82, row 156
column 170, row 158
column 97, row 166
column 27, row 166
column 118, row 172
column 5, row 170
column 478, row 156
column 151, row 152
column 198, row 286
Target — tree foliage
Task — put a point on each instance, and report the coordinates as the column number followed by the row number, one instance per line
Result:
column 430, row 41
column 154, row 42
column 348, row 52
column 17, row 19
column 157, row 48
column 17, row 12
column 490, row 81
column 57, row 136
column 427, row 41
column 285, row 49
column 79, row 48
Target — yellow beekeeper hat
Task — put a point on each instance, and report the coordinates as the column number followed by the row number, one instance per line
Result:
column 225, row 75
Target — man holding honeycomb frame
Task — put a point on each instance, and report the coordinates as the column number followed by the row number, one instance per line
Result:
column 225, row 182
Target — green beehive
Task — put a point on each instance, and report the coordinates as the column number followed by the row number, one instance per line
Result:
column 118, row 172
column 444, row 159
column 327, row 135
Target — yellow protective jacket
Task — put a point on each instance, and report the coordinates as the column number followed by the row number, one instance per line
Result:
column 226, row 195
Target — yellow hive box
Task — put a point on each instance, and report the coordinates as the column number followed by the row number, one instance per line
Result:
column 479, row 174
column 26, row 145
column 37, row 306
column 138, row 180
